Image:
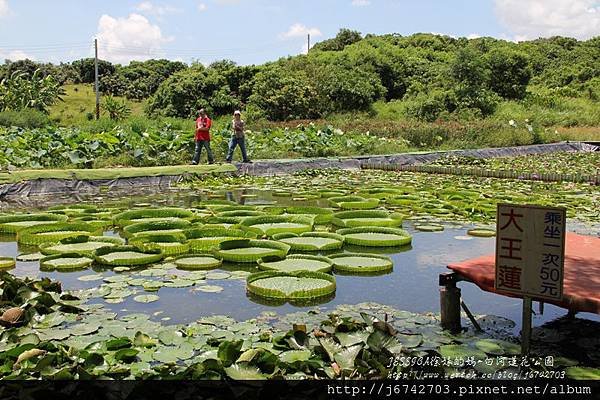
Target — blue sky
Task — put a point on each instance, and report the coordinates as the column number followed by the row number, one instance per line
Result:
column 255, row 31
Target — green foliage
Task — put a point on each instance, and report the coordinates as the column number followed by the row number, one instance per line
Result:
column 345, row 37
column 21, row 91
column 116, row 109
column 27, row 118
column 510, row 73
column 470, row 76
column 281, row 94
column 184, row 92
column 139, row 80
column 85, row 69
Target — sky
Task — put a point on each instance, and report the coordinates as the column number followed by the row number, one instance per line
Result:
column 256, row 31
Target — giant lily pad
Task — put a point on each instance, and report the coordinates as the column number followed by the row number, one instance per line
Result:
column 296, row 262
column 126, row 255
column 199, row 261
column 65, row 262
column 311, row 241
column 376, row 237
column 291, row 285
column 250, row 251
column 361, row 263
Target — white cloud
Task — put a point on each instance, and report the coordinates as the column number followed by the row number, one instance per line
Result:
column 361, row 3
column 228, row 2
column 300, row 30
column 133, row 38
column 4, row 9
column 201, row 7
column 14, row 55
column 147, row 7
column 473, row 36
column 530, row 19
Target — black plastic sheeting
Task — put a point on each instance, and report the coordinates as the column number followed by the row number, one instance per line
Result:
column 53, row 187
column 281, row 167
column 44, row 187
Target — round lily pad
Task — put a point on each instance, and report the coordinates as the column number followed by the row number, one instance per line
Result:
column 481, row 232
column 272, row 224
column 250, row 251
column 146, row 298
column 90, row 278
column 217, row 275
column 209, row 288
column 30, row 257
column 192, row 262
column 291, row 285
column 311, row 241
column 429, row 228
column 85, row 248
column 7, row 262
column 126, row 256
column 296, row 262
column 64, row 262
column 376, row 237
column 361, row 263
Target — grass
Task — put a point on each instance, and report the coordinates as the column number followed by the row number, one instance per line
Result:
column 112, row 173
column 542, row 118
column 80, row 103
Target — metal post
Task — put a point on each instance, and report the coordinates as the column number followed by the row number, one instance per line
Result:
column 96, row 79
column 450, row 302
column 308, row 44
column 526, row 326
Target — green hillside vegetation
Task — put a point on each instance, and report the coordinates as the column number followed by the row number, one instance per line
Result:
column 422, row 91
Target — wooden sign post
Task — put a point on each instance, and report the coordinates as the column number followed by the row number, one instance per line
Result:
column 530, row 253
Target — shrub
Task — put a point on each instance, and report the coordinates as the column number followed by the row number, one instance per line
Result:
column 117, row 110
column 27, row 118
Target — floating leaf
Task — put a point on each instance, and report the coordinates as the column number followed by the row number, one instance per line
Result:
column 146, row 298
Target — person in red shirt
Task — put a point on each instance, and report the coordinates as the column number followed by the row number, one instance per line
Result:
column 202, row 137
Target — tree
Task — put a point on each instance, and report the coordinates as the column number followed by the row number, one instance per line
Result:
column 469, row 76
column 283, row 94
column 86, row 70
column 509, row 73
column 345, row 37
column 347, row 89
column 187, row 90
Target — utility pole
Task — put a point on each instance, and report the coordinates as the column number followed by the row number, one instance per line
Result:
column 308, row 44
column 96, row 79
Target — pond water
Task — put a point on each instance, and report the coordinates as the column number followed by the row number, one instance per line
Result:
column 411, row 286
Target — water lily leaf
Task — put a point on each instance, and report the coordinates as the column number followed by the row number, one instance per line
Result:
column 345, row 358
column 461, row 351
column 291, row 356
column 126, row 355
column 170, row 337
column 349, row 339
column 229, row 351
column 30, row 257
column 146, row 298
column 143, row 340
column 117, row 344
column 409, row 341
column 241, row 372
column 490, row 346
column 217, row 275
column 179, row 283
column 380, row 341
column 49, row 320
column 83, row 329
column 209, row 288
